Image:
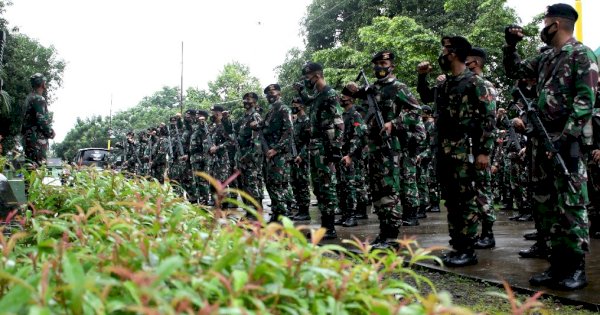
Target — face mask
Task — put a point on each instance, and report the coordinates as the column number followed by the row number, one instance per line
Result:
column 346, row 103
column 546, row 36
column 295, row 110
column 309, row 84
column 444, row 62
column 247, row 105
column 272, row 98
column 381, row 72
column 212, row 119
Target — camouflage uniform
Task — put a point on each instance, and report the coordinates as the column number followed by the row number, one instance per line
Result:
column 186, row 178
column 219, row 165
column 37, row 128
column 130, row 160
column 277, row 130
column 594, row 174
column 567, row 79
column 249, row 154
column 160, row 153
column 198, row 150
column 300, row 172
column 426, row 179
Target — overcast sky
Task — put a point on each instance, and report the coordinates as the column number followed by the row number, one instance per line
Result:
column 131, row 48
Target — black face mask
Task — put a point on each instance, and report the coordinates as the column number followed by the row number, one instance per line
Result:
column 444, row 62
column 272, row 98
column 381, row 72
column 309, row 84
column 212, row 119
column 247, row 105
column 546, row 36
column 346, row 103
column 295, row 110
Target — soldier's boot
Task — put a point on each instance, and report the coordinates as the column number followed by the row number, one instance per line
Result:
column 486, row 239
column 274, row 217
column 341, row 220
column 421, row 212
column 548, row 276
column 531, row 236
column 327, row 223
column 387, row 238
column 515, row 217
column 303, row 214
column 460, row 258
column 537, row 250
column 434, row 208
column 361, row 210
column 508, row 204
column 573, row 277
column 525, row 217
column 350, row 219
column 409, row 217
column 383, row 232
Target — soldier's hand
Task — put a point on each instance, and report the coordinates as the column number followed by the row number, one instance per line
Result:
column 424, row 67
column 253, row 124
column 440, row 78
column 52, row 134
column 347, row 160
column 183, row 158
column 271, row 153
column 596, row 156
column 483, row 161
column 213, row 149
column 518, row 124
column 501, row 112
column 522, row 152
column 298, row 86
column 513, row 34
column 387, row 128
column 298, row 160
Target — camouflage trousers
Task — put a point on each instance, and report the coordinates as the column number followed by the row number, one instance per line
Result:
column 423, row 175
column 457, row 178
column 346, row 188
column 323, row 179
column 362, row 187
column 158, row 171
column 289, row 192
column 276, row 183
column 519, row 183
column 433, row 184
column 35, row 147
column 384, row 184
column 409, row 192
column 594, row 194
column 301, row 183
column 560, row 214
column 201, row 189
column 485, row 195
column 249, row 179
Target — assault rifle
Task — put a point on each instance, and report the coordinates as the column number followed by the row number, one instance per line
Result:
column 293, row 141
column 374, row 109
column 170, row 146
column 539, row 128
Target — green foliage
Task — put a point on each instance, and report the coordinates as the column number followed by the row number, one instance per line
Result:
column 107, row 244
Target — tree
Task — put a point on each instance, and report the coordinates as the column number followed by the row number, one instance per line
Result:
column 168, row 97
column 231, row 84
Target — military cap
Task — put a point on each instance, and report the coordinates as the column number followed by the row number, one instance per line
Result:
column 478, row 52
column 202, row 112
column 252, row 95
column 272, row 87
column 350, row 89
column 311, row 67
column 426, row 109
column 561, row 10
column 37, row 79
column 173, row 118
column 217, row 108
column 191, row 112
column 130, row 133
column 297, row 100
column 445, row 39
column 383, row 55
column 460, row 43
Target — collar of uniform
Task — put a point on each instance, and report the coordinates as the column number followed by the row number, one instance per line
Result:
column 568, row 46
column 387, row 80
column 252, row 111
column 462, row 74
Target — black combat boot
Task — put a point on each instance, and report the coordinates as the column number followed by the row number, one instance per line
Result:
column 573, row 277
column 460, row 258
column 549, row 276
column 435, row 208
column 421, row 213
column 302, row 215
column 383, row 232
column 350, row 219
column 361, row 210
column 409, row 217
column 340, row 220
column 274, row 217
column 327, row 223
column 525, row 217
column 531, row 236
column 486, row 239
column 387, row 239
column 515, row 217
column 537, row 250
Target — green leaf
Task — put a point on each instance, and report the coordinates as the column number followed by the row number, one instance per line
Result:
column 75, row 279
column 168, row 266
column 16, row 299
column 240, row 278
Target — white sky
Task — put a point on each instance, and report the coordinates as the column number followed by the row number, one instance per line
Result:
column 131, row 48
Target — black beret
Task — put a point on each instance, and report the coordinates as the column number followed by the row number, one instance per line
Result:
column 478, row 52
column 426, row 109
column 460, row 43
column 445, row 39
column 252, row 95
column 383, row 55
column 272, row 87
column 561, row 10
column 202, row 112
column 191, row 112
column 297, row 100
column 311, row 67
column 217, row 108
column 37, row 79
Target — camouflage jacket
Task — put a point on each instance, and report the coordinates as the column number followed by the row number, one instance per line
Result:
column 277, row 127
column 302, row 136
column 325, row 117
column 467, row 116
column 248, row 138
column 427, row 153
column 186, row 135
column 355, row 132
column 161, row 151
column 37, row 120
column 220, row 138
column 198, row 145
column 567, row 83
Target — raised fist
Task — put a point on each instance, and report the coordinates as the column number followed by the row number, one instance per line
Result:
column 424, row 67
column 513, row 34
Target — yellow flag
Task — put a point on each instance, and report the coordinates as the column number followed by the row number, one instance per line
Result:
column 579, row 23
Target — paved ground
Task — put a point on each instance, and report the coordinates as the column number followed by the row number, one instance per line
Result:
column 495, row 265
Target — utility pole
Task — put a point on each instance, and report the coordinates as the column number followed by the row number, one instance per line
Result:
column 110, row 131
column 181, row 87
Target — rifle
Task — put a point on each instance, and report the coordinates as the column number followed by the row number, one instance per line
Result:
column 293, row 141
column 374, row 110
column 512, row 135
column 170, row 146
column 538, row 126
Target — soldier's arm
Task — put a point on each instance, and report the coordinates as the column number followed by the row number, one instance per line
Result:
column 284, row 143
column 585, row 70
column 515, row 67
column 404, row 99
column 44, row 122
column 486, row 105
column 358, row 140
column 425, row 92
column 335, row 135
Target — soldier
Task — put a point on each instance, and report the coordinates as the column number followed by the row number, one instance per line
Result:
column 299, row 168
column 249, row 159
column 326, row 141
column 199, row 145
column 354, row 140
column 277, row 131
column 466, row 122
column 426, row 179
column 593, row 150
column 393, row 97
column 187, row 179
column 567, row 84
column 130, row 161
column 220, row 139
column 363, row 198
column 37, row 124
column 160, row 151
column 483, row 179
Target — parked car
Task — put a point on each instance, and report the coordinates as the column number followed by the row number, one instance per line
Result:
column 98, row 157
column 54, row 172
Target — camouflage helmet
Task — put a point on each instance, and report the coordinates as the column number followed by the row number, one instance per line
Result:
column 37, row 80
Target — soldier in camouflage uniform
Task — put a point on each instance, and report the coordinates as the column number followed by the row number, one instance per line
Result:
column 198, row 148
column 37, row 124
column 392, row 97
column 249, row 159
column 186, row 180
column 567, row 84
column 363, row 198
column 354, row 140
column 426, row 181
column 149, row 150
column 326, row 141
column 277, row 131
column 593, row 164
column 485, row 197
column 130, row 161
column 219, row 166
column 160, row 153
column 466, row 122
column 299, row 168
column 177, row 165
